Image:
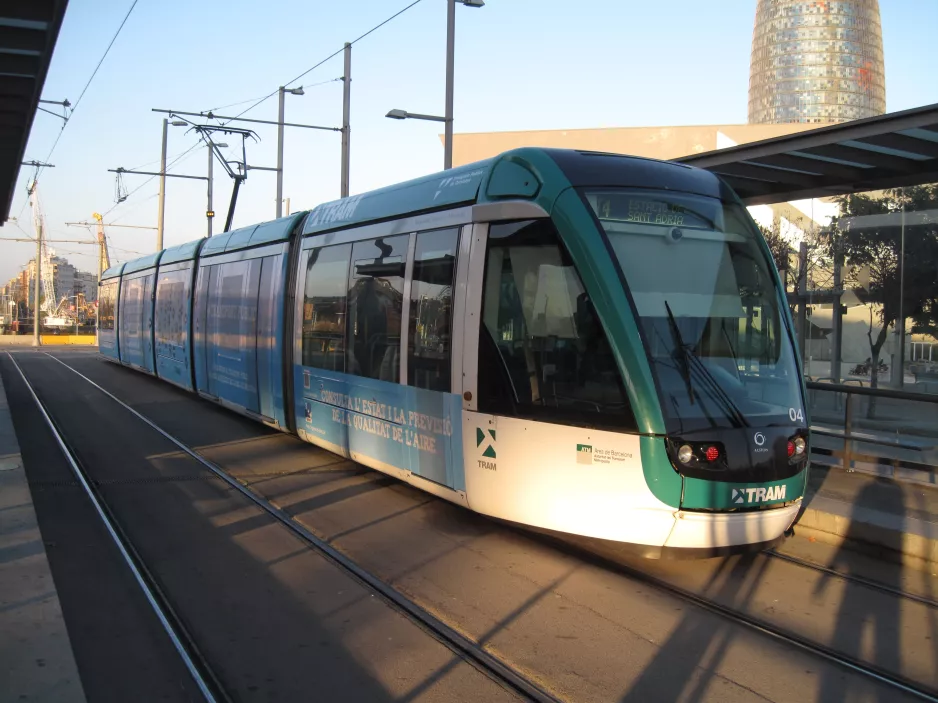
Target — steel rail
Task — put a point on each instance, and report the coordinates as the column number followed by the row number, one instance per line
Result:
column 460, row 644
column 845, row 661
column 862, row 580
column 182, row 642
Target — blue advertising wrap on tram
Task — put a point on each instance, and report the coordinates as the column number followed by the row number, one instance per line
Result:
column 400, row 426
column 238, row 321
column 136, row 321
column 171, row 325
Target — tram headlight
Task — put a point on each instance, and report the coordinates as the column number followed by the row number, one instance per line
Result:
column 685, row 454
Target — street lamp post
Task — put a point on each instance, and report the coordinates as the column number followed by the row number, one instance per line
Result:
column 447, row 118
column 162, row 197
column 404, row 115
column 450, row 65
column 210, row 212
column 37, row 340
column 283, row 91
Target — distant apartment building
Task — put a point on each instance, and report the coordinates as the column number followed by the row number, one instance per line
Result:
column 68, row 281
column 87, row 284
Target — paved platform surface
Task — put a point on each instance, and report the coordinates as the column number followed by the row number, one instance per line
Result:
column 36, row 659
column 893, row 520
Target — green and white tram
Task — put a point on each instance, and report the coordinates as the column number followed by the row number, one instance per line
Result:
column 583, row 343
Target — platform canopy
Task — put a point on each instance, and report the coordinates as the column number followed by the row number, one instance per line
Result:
column 28, row 32
column 888, row 151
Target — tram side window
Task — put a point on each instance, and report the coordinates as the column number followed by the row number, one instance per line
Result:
column 324, row 307
column 431, row 310
column 375, row 306
column 543, row 353
column 106, row 306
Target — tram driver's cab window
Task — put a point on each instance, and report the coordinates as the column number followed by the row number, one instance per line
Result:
column 543, row 353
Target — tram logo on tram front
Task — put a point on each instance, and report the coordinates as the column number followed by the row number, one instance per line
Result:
column 759, row 494
column 485, row 440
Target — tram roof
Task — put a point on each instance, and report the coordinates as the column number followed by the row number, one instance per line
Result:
column 143, row 263
column 181, row 252
column 28, row 32
column 252, row 236
column 888, row 151
column 523, row 173
column 113, row 272
column 456, row 186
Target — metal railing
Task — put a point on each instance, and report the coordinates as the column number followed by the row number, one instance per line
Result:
column 849, row 454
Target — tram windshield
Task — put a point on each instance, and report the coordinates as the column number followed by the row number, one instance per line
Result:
column 708, row 306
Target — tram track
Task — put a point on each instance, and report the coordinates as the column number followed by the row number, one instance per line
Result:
column 181, row 639
column 804, row 644
column 470, row 651
column 497, row 668
column 853, row 578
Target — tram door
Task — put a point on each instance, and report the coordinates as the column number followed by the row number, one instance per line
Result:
column 432, row 429
column 535, row 361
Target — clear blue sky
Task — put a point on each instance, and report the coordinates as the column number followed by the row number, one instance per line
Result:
column 520, row 64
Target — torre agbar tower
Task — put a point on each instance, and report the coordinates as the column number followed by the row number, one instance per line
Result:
column 816, row 61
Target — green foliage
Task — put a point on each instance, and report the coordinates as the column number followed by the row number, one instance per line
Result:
column 875, row 246
column 780, row 248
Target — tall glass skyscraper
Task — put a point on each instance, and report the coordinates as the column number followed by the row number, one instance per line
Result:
column 816, row 61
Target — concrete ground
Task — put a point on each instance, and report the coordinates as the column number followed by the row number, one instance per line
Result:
column 583, row 629
column 275, row 620
column 36, row 661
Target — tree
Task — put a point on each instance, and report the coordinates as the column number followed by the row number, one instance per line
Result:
column 817, row 273
column 875, row 246
column 801, row 279
column 781, row 250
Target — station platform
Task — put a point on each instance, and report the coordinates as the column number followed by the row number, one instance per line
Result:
column 888, row 519
column 36, row 658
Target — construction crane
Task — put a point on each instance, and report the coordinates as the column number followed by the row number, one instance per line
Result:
column 104, row 259
column 57, row 311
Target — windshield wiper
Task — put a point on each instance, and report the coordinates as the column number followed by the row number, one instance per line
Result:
column 716, row 390
column 729, row 407
column 682, row 356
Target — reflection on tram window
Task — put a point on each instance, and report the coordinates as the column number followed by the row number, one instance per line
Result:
column 169, row 328
column 106, row 306
column 375, row 306
column 431, row 310
column 542, row 350
column 324, row 307
column 705, row 297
